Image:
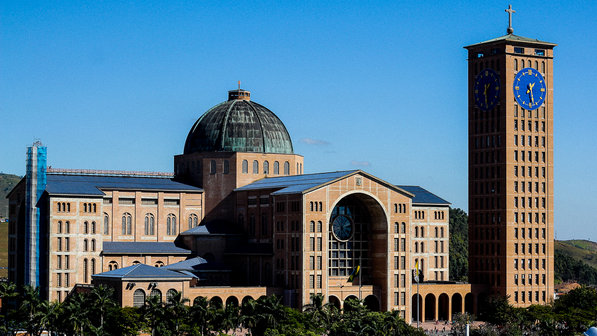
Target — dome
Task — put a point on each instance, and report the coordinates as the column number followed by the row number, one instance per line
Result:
column 239, row 125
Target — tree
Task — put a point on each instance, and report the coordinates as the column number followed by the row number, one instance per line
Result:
column 32, row 309
column 101, row 301
column 458, row 245
column 177, row 310
column 154, row 314
column 200, row 315
column 8, row 318
column 75, row 314
column 262, row 314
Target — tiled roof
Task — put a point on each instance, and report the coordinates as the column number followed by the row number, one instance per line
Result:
column 142, row 248
column 187, row 265
column 296, row 183
column 70, row 184
column 142, row 271
column 513, row 38
column 423, row 196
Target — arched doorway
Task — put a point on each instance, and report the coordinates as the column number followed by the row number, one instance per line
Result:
column 353, row 221
column 456, row 304
column 469, row 303
column 417, row 300
column 443, row 307
column 232, row 301
column 334, row 301
column 216, row 302
column 372, row 303
column 247, row 299
column 430, row 308
column 350, row 303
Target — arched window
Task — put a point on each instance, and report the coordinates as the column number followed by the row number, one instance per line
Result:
column 93, row 245
column 422, row 247
column 171, row 225
column 149, row 224
column 106, row 224
column 84, row 207
column 515, row 64
column 136, row 262
column 536, row 65
column 156, row 292
column 255, row 167
column 226, row 167
column 85, row 245
column 92, row 266
column 266, row 167
column 112, row 265
column 126, row 223
column 170, row 294
column 159, row 264
column 86, row 227
column 422, row 232
column 416, row 247
column 193, row 221
column 442, row 232
column 59, row 226
column 138, row 298
column 212, row 167
column 286, row 168
column 543, row 66
column 416, row 231
column 94, row 207
column 276, row 168
column 67, row 227
column 85, row 270
column 245, row 166
column 93, row 227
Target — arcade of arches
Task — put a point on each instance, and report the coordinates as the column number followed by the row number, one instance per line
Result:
column 439, row 302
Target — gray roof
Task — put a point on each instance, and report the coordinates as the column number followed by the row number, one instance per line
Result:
column 187, row 265
column 142, row 271
column 136, row 248
column 423, row 196
column 70, row 184
column 239, row 126
column 514, row 38
column 295, row 184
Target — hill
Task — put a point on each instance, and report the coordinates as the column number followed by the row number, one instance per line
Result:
column 7, row 182
column 583, row 250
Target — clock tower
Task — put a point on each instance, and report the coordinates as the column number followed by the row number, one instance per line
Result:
column 511, row 221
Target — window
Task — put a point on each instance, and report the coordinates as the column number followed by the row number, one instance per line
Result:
column 170, row 294
column 85, row 243
column 138, row 298
column 245, row 166
column 86, row 227
column 212, row 167
column 93, row 227
column 266, row 167
column 255, row 167
column 286, row 168
column 85, row 270
column 126, row 223
column 93, row 245
column 540, row 52
column 106, row 224
column 193, row 221
column 112, row 265
column 519, row 50
column 171, row 225
column 149, row 224
column 276, row 168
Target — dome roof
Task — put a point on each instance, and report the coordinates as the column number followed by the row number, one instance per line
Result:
column 239, row 125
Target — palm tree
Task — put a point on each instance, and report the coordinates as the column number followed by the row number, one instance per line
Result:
column 76, row 314
column 321, row 314
column 102, row 300
column 31, row 306
column 262, row 314
column 8, row 291
column 153, row 311
column 200, row 315
column 51, row 316
column 177, row 310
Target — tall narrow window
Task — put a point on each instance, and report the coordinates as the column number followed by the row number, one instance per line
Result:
column 276, row 168
column 226, row 166
column 93, row 245
column 86, row 227
column 255, row 167
column 92, row 266
column 245, row 166
column 193, row 221
column 85, row 270
column 106, row 224
column 212, row 167
column 149, row 224
column 126, row 223
column 171, row 225
column 93, row 227
column 266, row 167
column 286, row 168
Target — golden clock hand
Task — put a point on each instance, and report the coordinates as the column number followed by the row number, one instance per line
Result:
column 530, row 91
column 485, row 93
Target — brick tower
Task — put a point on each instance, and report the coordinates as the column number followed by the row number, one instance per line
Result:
column 511, row 238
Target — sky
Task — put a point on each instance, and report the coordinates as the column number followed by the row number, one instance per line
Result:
column 373, row 85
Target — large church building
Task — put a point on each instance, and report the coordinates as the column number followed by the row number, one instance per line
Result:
column 239, row 219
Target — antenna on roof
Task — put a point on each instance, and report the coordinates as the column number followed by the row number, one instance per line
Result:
column 239, row 85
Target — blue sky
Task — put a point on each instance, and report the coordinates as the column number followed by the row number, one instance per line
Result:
column 375, row 85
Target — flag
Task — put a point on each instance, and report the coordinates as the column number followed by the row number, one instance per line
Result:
column 354, row 273
column 416, row 271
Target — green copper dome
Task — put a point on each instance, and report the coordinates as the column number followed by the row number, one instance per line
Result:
column 239, row 125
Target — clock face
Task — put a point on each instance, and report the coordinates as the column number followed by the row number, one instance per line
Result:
column 487, row 89
column 342, row 227
column 529, row 88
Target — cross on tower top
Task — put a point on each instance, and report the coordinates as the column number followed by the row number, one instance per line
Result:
column 510, row 30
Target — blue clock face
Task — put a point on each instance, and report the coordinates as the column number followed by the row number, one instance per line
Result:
column 487, row 89
column 342, row 227
column 529, row 88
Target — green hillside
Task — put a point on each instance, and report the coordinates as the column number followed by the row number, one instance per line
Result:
column 583, row 250
column 7, row 182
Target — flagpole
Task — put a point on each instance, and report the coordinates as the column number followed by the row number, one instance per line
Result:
column 360, row 283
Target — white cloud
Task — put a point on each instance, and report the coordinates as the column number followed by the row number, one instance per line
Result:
column 360, row 163
column 314, row 142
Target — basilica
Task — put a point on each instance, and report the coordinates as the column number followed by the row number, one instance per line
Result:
column 238, row 219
